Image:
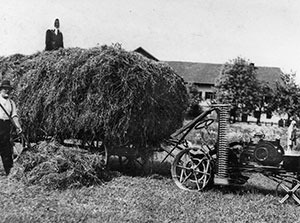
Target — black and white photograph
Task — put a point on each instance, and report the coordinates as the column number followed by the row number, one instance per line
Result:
column 163, row 111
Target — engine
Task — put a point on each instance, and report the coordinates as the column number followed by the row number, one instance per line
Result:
column 266, row 153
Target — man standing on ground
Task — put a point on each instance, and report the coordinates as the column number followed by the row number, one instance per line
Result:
column 8, row 113
column 291, row 136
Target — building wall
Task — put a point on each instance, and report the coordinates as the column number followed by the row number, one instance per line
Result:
column 204, row 91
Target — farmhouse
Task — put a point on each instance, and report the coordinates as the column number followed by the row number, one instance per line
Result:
column 200, row 77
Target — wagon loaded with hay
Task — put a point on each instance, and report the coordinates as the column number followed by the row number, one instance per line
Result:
column 105, row 99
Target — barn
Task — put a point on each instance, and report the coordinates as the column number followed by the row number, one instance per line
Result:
column 200, row 79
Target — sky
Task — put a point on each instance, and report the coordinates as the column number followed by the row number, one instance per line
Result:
column 265, row 32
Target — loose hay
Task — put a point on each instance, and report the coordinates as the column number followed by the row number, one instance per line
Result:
column 60, row 167
column 100, row 94
column 103, row 93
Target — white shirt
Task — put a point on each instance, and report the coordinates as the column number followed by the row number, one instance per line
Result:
column 9, row 106
column 289, row 133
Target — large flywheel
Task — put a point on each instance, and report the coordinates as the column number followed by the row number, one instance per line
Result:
column 193, row 169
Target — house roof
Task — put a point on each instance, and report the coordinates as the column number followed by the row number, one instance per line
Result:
column 206, row 73
column 145, row 53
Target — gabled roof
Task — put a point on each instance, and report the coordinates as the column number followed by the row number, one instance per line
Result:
column 206, row 73
column 145, row 53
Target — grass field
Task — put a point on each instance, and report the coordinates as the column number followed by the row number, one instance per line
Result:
column 154, row 198
column 144, row 199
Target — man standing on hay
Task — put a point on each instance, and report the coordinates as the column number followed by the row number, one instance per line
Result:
column 8, row 114
column 54, row 38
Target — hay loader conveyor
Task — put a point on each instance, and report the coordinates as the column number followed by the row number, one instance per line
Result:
column 209, row 162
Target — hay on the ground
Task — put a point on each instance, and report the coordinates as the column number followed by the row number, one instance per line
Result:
column 57, row 167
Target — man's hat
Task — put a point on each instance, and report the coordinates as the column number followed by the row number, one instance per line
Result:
column 6, row 84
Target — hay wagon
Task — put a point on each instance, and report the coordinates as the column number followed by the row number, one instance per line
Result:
column 128, row 156
column 219, row 162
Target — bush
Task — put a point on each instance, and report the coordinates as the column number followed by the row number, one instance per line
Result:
column 194, row 108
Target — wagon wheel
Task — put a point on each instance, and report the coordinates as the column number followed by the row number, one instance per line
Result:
column 130, row 164
column 192, row 171
column 291, row 187
column 133, row 162
column 103, row 153
column 97, row 147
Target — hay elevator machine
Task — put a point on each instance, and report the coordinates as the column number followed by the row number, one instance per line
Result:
column 212, row 160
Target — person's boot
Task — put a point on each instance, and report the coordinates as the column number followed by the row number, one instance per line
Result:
column 7, row 169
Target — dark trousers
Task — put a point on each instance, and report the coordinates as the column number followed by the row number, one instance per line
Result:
column 6, row 149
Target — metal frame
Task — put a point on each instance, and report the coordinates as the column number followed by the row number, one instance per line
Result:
column 287, row 180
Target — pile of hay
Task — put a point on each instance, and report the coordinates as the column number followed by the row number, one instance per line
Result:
column 103, row 93
column 57, row 167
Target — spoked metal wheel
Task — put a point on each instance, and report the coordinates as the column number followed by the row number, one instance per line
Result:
column 192, row 170
column 98, row 147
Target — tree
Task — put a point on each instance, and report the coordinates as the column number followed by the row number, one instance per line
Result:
column 263, row 103
column 237, row 85
column 194, row 108
column 287, row 96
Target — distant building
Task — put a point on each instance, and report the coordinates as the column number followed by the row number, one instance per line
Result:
column 145, row 53
column 201, row 77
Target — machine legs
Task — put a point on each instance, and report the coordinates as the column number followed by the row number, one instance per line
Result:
column 291, row 189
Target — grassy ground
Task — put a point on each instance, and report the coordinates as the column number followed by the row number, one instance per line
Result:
column 145, row 199
column 148, row 199
column 154, row 198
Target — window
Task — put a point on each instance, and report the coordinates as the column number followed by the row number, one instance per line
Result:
column 209, row 95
